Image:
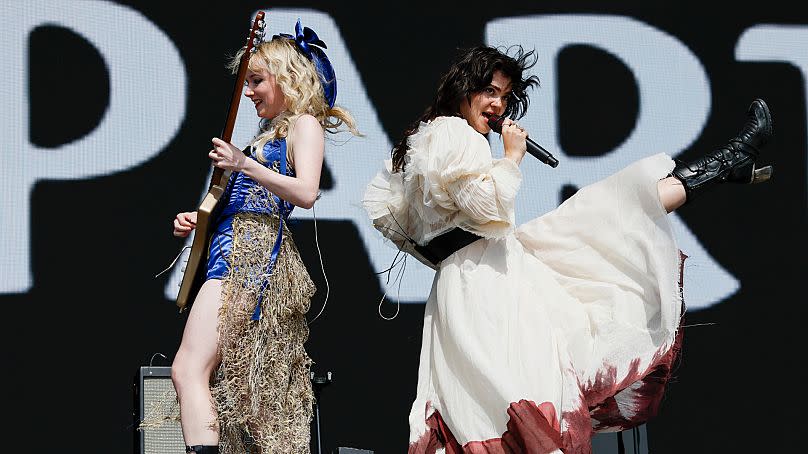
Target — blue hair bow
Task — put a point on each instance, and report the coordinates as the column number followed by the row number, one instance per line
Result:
column 307, row 41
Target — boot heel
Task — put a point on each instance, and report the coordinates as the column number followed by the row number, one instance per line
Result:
column 762, row 174
column 744, row 173
column 202, row 449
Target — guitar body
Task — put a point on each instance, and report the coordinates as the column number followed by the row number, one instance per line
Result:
column 194, row 274
column 195, row 268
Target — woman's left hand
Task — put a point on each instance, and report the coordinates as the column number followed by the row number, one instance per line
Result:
column 227, row 156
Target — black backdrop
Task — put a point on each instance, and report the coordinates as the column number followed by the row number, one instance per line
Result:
column 93, row 312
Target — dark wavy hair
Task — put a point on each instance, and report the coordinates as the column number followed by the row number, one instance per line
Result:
column 471, row 72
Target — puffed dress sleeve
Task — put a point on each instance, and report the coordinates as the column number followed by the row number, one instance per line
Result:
column 452, row 164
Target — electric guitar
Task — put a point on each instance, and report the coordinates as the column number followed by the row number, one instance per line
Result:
column 194, row 273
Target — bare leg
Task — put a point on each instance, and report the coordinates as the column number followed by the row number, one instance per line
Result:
column 671, row 193
column 193, row 365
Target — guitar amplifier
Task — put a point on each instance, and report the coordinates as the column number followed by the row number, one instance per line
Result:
column 153, row 390
column 153, row 387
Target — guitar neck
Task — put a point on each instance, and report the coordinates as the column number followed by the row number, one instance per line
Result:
column 232, row 111
column 217, row 179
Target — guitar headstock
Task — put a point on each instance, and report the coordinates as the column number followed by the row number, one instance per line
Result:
column 253, row 40
column 256, row 35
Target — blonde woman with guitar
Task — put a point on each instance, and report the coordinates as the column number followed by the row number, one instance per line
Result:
column 241, row 372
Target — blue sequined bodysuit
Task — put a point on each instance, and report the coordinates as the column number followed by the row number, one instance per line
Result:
column 243, row 195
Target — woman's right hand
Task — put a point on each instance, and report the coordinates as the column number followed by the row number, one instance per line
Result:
column 514, row 139
column 184, row 224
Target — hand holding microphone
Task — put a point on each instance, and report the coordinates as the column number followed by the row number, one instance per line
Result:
column 495, row 123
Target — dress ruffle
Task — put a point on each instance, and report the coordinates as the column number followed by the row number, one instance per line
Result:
column 449, row 180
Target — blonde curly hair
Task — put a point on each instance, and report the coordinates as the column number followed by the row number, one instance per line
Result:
column 302, row 90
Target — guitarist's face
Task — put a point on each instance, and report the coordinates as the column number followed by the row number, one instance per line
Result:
column 265, row 93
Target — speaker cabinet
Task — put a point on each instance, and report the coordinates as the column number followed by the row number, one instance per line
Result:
column 153, row 387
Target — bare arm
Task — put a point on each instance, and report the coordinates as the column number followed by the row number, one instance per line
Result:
column 308, row 145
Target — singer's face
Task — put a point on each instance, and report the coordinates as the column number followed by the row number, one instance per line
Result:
column 493, row 99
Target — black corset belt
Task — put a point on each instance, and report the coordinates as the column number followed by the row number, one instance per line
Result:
column 446, row 244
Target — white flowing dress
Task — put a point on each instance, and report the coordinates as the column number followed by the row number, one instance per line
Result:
column 536, row 335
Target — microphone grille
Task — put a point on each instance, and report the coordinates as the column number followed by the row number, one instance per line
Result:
column 495, row 123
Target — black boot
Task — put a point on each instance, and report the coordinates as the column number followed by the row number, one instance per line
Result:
column 202, row 449
column 734, row 162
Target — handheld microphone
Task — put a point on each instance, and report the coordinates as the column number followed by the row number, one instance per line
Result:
column 495, row 123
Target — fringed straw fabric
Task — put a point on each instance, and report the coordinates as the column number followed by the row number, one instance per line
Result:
column 263, row 388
